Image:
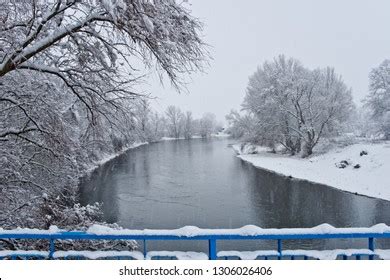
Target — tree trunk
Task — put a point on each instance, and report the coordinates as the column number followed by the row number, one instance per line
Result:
column 307, row 149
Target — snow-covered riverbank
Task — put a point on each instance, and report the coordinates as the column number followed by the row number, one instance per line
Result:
column 366, row 174
column 107, row 158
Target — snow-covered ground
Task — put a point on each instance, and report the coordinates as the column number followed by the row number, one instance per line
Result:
column 220, row 135
column 371, row 177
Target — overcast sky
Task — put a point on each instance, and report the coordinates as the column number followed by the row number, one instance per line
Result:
column 351, row 35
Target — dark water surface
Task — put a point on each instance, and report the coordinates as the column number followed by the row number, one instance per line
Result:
column 199, row 182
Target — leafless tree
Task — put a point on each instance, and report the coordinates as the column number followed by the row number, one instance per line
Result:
column 378, row 100
column 295, row 106
column 67, row 74
column 188, row 125
column 157, row 127
column 174, row 121
column 207, row 125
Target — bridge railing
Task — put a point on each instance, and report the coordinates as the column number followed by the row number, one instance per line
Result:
column 211, row 236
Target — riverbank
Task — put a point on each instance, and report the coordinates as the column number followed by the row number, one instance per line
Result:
column 108, row 157
column 359, row 168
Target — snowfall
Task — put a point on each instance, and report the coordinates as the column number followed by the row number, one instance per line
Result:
column 364, row 173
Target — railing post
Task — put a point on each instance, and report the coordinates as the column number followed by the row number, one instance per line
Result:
column 52, row 248
column 145, row 250
column 371, row 246
column 212, row 249
column 280, row 249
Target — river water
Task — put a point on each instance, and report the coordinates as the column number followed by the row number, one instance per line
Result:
column 199, row 182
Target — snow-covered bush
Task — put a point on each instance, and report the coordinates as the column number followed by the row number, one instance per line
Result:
column 62, row 210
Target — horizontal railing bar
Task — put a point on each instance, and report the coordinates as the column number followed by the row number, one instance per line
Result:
column 90, row 236
column 212, row 236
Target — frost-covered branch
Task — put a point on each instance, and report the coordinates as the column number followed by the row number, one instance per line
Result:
column 68, row 74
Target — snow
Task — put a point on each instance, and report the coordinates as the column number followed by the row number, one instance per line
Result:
column 243, row 255
column 220, row 135
column 178, row 255
column 327, row 254
column 8, row 253
column 249, row 230
column 52, row 37
column 51, row 230
column 247, row 255
column 109, row 157
column 383, row 254
column 371, row 179
column 171, row 138
column 322, row 255
column 93, row 255
column 249, row 149
column 192, row 231
column 148, row 23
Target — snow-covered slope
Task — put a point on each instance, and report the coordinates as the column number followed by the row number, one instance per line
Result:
column 372, row 178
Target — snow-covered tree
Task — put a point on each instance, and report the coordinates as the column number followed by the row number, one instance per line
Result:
column 143, row 114
column 295, row 106
column 64, row 34
column 247, row 127
column 378, row 99
column 188, row 125
column 92, row 47
column 174, row 121
column 207, row 125
column 67, row 75
column 158, row 126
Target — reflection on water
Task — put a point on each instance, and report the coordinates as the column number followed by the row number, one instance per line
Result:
column 200, row 182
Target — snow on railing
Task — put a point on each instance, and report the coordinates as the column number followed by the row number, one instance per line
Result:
column 249, row 232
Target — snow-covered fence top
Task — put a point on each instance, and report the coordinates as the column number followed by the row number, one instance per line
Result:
column 192, row 231
column 249, row 232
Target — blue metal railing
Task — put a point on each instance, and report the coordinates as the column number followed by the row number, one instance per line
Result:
column 209, row 235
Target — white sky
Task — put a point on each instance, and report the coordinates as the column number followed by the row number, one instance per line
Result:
column 351, row 35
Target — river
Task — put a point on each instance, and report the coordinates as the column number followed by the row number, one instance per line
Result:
column 199, row 182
